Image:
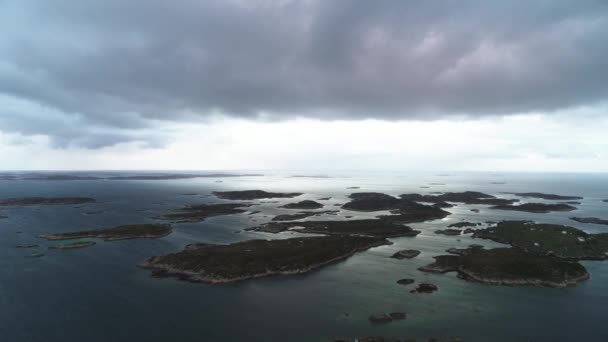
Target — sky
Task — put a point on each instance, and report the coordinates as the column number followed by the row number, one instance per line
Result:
column 304, row 85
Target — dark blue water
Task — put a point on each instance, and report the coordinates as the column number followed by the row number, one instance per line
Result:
column 98, row 293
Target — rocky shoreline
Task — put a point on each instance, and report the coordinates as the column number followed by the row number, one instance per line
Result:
column 251, row 259
column 132, row 231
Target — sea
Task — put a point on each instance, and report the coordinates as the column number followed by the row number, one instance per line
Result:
column 98, row 294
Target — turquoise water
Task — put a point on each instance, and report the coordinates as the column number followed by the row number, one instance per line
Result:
column 98, row 293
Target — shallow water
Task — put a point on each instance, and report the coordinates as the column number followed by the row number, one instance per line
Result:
column 98, row 293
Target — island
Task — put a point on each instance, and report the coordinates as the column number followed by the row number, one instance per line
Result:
column 31, row 245
column 593, row 220
column 245, row 195
column 406, row 254
column 3, row 217
column 196, row 213
column 463, row 224
column 23, row 201
column 544, row 196
column 303, row 215
column 509, row 266
column 306, row 204
column 449, row 231
column 538, row 208
column 425, row 288
column 548, row 239
column 406, row 281
column 131, row 231
column 467, row 197
column 364, row 227
column 257, row 258
column 404, row 210
column 74, row 245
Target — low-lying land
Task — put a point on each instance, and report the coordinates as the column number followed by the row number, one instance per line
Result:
column 195, row 213
column 306, row 204
column 467, row 197
column 45, row 201
column 406, row 254
column 365, row 227
column 509, row 266
column 593, row 220
column 73, row 245
column 257, row 258
column 405, row 211
column 245, row 195
column 303, row 215
column 539, row 208
column 131, row 231
column 548, row 239
column 544, row 196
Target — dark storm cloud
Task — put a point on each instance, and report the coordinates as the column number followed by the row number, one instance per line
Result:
column 116, row 64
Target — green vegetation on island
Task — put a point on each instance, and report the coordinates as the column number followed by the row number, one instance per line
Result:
column 257, row 258
column 131, row 231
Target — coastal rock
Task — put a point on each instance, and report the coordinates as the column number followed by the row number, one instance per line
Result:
column 405, row 281
column 593, row 220
column 475, row 210
column 33, row 245
column 196, row 213
column 73, row 245
column 36, row 255
column 132, row 231
column 449, row 231
column 463, row 224
column 245, row 195
column 425, row 288
column 397, row 316
column 406, row 254
column 302, row 215
column 509, row 266
column 44, row 201
column 404, row 210
column 540, row 208
column 467, row 197
column 544, row 196
column 306, row 204
column 257, row 258
column 380, row 318
column 365, row 227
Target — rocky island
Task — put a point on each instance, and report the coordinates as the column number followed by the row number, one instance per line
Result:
column 45, row 201
column 196, row 213
column 406, row 254
column 539, row 208
column 131, row 231
column 404, row 210
column 467, row 197
column 74, row 245
column 306, row 204
column 509, row 266
column 302, row 215
column 365, row 227
column 257, row 258
column 245, row 195
column 548, row 239
column 593, row 220
column 544, row 196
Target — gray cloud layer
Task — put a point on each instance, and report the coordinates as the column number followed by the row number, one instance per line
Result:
column 105, row 68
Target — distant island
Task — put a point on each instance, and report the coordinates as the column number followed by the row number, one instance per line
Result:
column 73, row 245
column 23, row 201
column 257, row 258
column 593, row 220
column 132, row 231
column 544, row 196
column 244, row 195
column 539, row 208
column 196, row 213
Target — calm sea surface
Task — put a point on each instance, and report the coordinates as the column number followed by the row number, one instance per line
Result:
column 98, row 293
